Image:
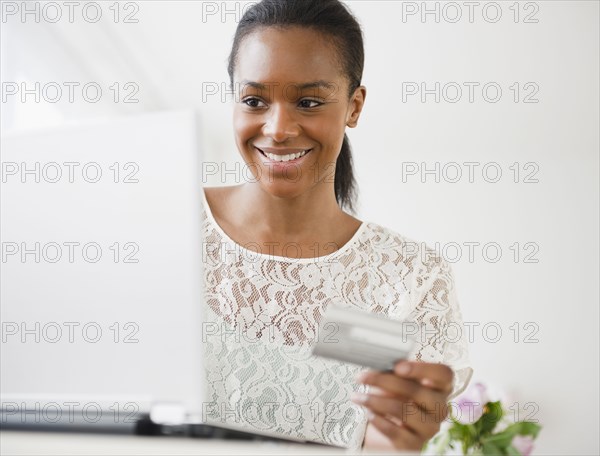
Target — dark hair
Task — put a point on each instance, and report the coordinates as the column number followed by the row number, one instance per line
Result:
column 335, row 21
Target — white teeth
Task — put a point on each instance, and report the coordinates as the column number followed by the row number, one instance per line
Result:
column 285, row 158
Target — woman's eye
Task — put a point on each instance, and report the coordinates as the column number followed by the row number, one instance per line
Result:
column 306, row 103
column 252, row 102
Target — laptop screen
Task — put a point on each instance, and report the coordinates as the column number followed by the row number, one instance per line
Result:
column 100, row 290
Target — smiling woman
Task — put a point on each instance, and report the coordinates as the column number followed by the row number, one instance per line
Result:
column 296, row 67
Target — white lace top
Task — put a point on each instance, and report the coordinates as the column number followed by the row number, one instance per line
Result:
column 264, row 311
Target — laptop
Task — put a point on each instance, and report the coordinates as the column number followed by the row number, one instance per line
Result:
column 101, row 297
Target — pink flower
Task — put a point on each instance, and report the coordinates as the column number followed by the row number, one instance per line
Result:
column 523, row 444
column 470, row 403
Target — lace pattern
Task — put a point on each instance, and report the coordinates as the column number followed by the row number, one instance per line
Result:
column 263, row 316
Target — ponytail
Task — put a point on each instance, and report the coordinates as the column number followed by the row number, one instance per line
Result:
column 345, row 183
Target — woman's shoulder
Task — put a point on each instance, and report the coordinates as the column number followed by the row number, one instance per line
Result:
column 216, row 194
column 218, row 199
column 384, row 237
column 403, row 250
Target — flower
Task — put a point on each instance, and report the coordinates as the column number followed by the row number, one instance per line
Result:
column 471, row 403
column 523, row 444
column 481, row 426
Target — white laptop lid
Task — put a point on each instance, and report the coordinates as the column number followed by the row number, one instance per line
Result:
column 101, row 263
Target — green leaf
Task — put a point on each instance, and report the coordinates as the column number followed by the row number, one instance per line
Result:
column 463, row 433
column 473, row 435
column 503, row 439
column 512, row 451
column 490, row 449
column 491, row 416
column 528, row 428
column 458, row 431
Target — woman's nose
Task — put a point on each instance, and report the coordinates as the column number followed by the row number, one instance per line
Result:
column 281, row 124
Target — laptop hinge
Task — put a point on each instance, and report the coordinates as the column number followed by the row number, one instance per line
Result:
column 171, row 413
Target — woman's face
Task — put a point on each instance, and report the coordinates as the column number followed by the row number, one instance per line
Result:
column 291, row 109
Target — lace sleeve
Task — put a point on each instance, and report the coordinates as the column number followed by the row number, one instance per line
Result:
column 437, row 319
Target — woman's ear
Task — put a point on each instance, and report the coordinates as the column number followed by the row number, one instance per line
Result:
column 356, row 105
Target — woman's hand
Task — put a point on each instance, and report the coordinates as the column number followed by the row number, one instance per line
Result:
column 407, row 405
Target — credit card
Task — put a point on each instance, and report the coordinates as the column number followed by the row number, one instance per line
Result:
column 362, row 338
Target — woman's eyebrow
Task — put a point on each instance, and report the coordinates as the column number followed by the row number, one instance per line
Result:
column 307, row 85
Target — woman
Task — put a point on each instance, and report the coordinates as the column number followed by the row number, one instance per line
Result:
column 282, row 248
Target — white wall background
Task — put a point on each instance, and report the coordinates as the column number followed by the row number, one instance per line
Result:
column 177, row 49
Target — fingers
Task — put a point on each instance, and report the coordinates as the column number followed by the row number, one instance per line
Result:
column 436, row 376
column 412, row 401
column 400, row 436
column 402, row 415
column 428, row 399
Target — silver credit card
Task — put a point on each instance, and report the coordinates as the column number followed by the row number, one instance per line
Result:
column 362, row 338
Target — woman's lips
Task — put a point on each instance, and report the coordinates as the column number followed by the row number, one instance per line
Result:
column 276, row 163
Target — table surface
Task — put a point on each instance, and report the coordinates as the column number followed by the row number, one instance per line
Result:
column 61, row 443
